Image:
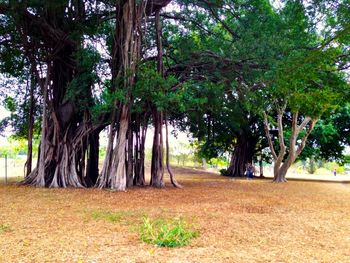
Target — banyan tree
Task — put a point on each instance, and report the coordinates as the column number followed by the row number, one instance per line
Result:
column 52, row 37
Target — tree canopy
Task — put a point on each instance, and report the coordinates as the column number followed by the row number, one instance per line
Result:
column 240, row 76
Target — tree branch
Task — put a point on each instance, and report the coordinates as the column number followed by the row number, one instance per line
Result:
column 267, row 128
column 280, row 129
column 303, row 140
column 304, row 123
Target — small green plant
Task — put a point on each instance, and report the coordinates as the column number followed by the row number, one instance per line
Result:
column 5, row 228
column 173, row 233
column 107, row 216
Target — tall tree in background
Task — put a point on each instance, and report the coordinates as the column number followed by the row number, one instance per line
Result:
column 303, row 85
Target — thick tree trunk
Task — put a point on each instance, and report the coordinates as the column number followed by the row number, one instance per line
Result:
column 242, row 154
column 103, row 178
column 66, row 134
column 118, row 171
column 280, row 175
column 64, row 159
column 93, row 159
column 126, row 53
column 157, row 163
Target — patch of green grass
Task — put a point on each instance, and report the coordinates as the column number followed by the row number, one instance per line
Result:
column 112, row 217
column 5, row 228
column 167, row 233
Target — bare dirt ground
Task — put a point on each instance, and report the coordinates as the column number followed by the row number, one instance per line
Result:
column 238, row 221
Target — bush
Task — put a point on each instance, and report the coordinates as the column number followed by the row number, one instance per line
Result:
column 164, row 233
column 224, row 172
column 323, row 171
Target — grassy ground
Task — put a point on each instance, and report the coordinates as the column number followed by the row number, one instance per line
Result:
column 238, row 221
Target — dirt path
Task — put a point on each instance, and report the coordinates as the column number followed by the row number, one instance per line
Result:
column 238, row 220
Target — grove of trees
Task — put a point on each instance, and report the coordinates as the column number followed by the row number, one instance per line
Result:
column 240, row 76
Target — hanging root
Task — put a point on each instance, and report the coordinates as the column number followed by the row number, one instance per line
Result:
column 172, row 176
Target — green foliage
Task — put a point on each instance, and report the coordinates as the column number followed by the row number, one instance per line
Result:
column 80, row 88
column 167, row 233
column 218, row 162
column 330, row 166
column 330, row 136
column 16, row 147
column 347, row 159
column 106, row 102
column 9, row 104
column 152, row 87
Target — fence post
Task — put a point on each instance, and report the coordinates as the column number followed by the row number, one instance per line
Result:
column 5, row 168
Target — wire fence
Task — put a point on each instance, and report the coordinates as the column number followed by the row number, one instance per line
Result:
column 11, row 169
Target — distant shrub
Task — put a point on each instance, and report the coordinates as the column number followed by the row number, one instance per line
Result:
column 165, row 233
column 341, row 169
column 323, row 171
column 224, row 172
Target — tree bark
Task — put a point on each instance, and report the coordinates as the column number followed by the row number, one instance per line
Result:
column 261, row 167
column 93, row 159
column 157, row 165
column 282, row 161
column 103, row 178
column 118, row 172
column 242, row 154
column 126, row 53
column 66, row 134
column 130, row 157
column 141, row 131
column 40, row 178
column 30, row 126
column 172, row 176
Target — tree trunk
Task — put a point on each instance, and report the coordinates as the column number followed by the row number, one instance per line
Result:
column 157, row 166
column 130, row 157
column 140, row 131
column 126, row 53
column 242, row 154
column 40, row 178
column 280, row 176
column 103, row 178
column 30, row 127
column 66, row 133
column 118, row 172
column 282, row 162
column 261, row 167
column 172, row 176
column 63, row 159
column 93, row 159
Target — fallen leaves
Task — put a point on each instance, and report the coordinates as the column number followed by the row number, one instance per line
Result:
column 239, row 221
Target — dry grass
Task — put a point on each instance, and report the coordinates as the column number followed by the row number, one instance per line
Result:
column 238, row 220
